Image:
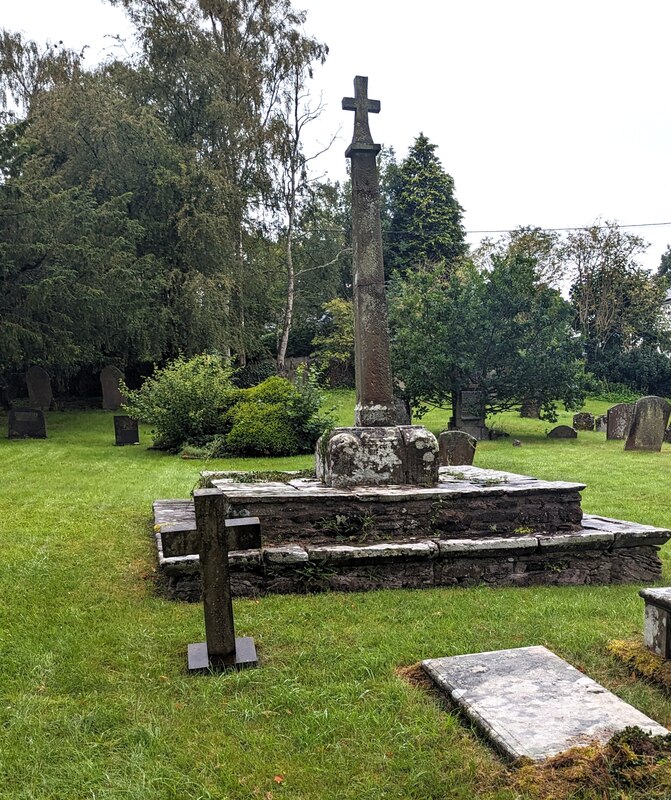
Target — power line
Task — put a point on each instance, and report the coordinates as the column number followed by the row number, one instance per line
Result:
column 580, row 227
column 391, row 232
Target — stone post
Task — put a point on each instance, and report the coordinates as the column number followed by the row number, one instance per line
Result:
column 374, row 391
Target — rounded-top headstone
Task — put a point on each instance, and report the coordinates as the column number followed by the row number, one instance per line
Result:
column 456, row 448
column 110, row 378
column 38, row 381
column 648, row 426
column 562, row 432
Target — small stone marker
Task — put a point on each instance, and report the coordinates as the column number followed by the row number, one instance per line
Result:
column 40, row 395
column 529, row 702
column 456, row 448
column 110, row 378
column 651, row 416
column 126, row 431
column 619, row 419
column 583, row 421
column 562, row 432
column 215, row 536
column 601, row 423
column 657, row 622
column 26, row 423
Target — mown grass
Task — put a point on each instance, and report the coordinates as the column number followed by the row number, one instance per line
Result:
column 94, row 699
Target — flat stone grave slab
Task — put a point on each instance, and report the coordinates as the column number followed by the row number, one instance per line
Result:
column 530, row 703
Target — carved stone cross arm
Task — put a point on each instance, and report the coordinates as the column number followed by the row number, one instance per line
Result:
column 361, row 106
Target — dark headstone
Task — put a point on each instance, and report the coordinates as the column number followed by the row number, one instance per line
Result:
column 651, row 417
column 469, row 414
column 583, row 421
column 126, row 431
column 562, row 432
column 109, row 381
column 456, row 448
column 26, row 423
column 601, row 423
column 530, row 409
column 667, row 436
column 619, row 419
column 39, row 388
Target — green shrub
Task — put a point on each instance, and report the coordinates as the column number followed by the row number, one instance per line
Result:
column 277, row 418
column 186, row 401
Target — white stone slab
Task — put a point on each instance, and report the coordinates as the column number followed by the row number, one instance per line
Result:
column 529, row 702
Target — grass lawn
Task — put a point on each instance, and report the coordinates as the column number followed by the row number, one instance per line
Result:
column 94, row 699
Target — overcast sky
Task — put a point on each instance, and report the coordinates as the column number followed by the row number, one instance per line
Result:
column 545, row 113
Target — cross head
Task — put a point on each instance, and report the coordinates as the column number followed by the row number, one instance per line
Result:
column 361, row 106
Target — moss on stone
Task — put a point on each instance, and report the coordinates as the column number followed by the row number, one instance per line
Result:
column 642, row 661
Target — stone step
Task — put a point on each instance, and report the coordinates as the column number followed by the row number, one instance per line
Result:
column 603, row 550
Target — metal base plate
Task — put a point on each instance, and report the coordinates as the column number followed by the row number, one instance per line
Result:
column 243, row 658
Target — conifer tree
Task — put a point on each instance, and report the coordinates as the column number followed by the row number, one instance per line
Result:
column 426, row 217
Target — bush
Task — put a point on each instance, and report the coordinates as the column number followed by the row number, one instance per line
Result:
column 254, row 372
column 277, row 418
column 195, row 409
column 185, row 401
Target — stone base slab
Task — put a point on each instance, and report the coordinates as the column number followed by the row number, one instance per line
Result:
column 530, row 703
column 467, row 502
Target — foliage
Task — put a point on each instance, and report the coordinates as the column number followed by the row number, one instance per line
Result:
column 185, row 401
column 131, row 195
column 194, row 408
column 501, row 331
column 617, row 303
column 276, row 418
column 541, row 247
column 334, row 346
column 426, row 225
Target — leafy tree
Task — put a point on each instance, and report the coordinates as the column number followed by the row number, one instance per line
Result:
column 617, row 303
column 334, row 346
column 502, row 331
column 664, row 268
column 426, row 225
column 540, row 246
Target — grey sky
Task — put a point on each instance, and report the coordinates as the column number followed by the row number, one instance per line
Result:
column 545, row 113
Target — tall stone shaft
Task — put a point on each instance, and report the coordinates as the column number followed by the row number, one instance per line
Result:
column 374, row 390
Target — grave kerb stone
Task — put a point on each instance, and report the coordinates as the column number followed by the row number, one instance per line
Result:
column 657, row 621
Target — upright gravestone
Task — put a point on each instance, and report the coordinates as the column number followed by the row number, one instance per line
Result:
column 601, row 423
column 110, row 378
column 456, row 448
column 377, row 450
column 583, row 421
column 469, row 414
column 618, row 420
column 38, row 381
column 126, row 431
column 26, row 423
column 651, row 416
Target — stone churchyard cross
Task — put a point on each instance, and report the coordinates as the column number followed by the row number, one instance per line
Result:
column 377, row 451
column 214, row 537
column 372, row 366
